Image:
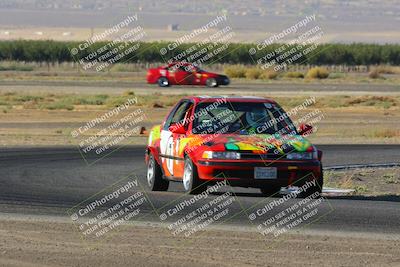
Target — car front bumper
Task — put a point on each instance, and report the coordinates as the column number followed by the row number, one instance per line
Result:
column 241, row 173
column 223, row 80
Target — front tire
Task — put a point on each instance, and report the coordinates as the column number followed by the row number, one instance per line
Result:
column 155, row 180
column 191, row 182
column 163, row 82
column 211, row 82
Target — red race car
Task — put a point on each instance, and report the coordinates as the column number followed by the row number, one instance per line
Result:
column 181, row 73
column 247, row 141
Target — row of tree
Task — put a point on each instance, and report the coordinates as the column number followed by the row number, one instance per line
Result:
column 323, row 54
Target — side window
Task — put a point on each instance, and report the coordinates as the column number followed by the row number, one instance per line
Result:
column 191, row 68
column 178, row 114
column 173, row 68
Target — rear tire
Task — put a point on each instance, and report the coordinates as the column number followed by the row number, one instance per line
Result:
column 191, row 182
column 163, row 82
column 211, row 82
column 155, row 180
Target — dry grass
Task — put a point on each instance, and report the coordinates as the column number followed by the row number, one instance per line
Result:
column 12, row 100
column 386, row 133
column 346, row 119
column 368, row 182
column 251, row 73
column 317, row 73
column 235, row 71
column 294, row 74
column 254, row 73
column 386, row 69
column 374, row 74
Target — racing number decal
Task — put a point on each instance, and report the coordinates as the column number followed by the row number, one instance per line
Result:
column 165, row 136
column 170, row 152
column 170, row 149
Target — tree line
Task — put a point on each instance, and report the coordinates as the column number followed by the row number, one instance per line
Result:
column 235, row 53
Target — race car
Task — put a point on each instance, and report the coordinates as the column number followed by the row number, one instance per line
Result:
column 245, row 141
column 182, row 73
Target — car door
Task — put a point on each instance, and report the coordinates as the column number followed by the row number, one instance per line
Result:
column 195, row 76
column 171, row 161
column 183, row 76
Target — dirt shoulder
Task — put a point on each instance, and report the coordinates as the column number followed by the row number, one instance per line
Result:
column 366, row 182
column 48, row 119
column 45, row 243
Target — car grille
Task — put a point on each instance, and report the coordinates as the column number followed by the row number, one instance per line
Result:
column 265, row 156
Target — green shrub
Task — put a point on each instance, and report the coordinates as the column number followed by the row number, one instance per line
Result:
column 91, row 100
column 317, row 73
column 294, row 74
column 27, row 98
column 57, row 105
column 116, row 101
column 237, row 53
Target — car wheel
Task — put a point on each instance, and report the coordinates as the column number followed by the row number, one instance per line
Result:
column 163, row 82
column 315, row 189
column 155, row 180
column 270, row 190
column 211, row 82
column 191, row 181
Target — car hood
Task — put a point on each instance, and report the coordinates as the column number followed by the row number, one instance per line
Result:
column 262, row 143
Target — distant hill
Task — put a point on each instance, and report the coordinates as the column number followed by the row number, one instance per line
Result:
column 342, row 20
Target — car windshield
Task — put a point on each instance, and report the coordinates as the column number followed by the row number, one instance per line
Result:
column 241, row 118
column 184, row 67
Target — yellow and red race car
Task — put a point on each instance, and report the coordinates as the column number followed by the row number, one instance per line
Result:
column 246, row 141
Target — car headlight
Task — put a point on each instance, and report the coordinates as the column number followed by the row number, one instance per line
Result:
column 220, row 155
column 302, row 155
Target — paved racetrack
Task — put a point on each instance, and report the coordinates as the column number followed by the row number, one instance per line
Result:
column 51, row 180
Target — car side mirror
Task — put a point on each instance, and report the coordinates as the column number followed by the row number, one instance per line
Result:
column 177, row 128
column 305, row 129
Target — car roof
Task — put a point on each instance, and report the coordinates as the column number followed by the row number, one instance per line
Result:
column 206, row 98
column 182, row 63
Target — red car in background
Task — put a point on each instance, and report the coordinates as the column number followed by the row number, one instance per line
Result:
column 182, row 73
column 247, row 141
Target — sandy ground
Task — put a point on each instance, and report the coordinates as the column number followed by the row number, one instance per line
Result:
column 27, row 242
column 25, row 127
column 366, row 182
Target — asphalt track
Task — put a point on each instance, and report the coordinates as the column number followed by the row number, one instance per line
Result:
column 236, row 87
column 49, row 181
